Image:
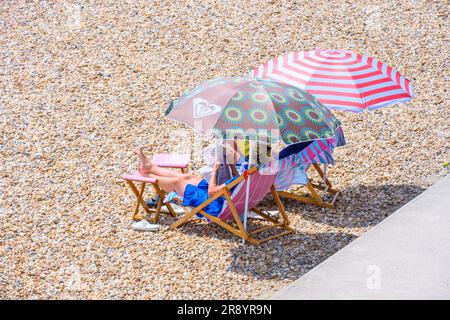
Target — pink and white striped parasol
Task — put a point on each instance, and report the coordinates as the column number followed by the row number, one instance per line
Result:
column 340, row 79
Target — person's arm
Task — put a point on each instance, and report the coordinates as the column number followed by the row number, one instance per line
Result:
column 233, row 153
column 234, row 170
column 213, row 187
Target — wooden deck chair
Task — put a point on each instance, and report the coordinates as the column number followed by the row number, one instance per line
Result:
column 314, row 190
column 178, row 161
column 234, row 207
column 307, row 155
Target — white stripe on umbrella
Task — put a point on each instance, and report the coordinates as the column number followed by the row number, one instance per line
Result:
column 340, row 79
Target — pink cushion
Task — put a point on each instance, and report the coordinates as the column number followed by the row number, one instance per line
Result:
column 138, row 177
column 171, row 160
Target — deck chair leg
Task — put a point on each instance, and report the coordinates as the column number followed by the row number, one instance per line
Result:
column 162, row 194
column 140, row 201
column 328, row 185
column 262, row 214
column 314, row 194
column 284, row 224
column 159, row 205
column 182, row 220
column 319, row 201
column 226, row 226
column 234, row 211
column 321, row 174
column 280, row 205
column 139, row 195
column 312, row 197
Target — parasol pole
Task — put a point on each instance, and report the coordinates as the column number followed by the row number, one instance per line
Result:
column 247, row 190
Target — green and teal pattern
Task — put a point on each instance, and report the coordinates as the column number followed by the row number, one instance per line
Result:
column 261, row 109
column 263, row 105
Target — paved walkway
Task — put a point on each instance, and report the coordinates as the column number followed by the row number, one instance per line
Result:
column 406, row 256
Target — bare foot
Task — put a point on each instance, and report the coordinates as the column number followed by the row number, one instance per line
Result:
column 145, row 165
column 140, row 153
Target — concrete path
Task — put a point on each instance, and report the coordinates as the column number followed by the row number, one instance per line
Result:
column 406, row 256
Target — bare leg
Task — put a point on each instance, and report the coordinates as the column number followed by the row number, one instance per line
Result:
column 168, row 180
column 177, row 184
column 148, row 167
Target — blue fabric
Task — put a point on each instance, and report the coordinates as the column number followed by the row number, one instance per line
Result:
column 293, row 148
column 243, row 166
column 196, row 195
column 288, row 176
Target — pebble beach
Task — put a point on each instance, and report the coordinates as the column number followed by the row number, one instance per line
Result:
column 84, row 83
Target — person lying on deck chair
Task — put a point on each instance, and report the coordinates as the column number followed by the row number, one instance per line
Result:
column 194, row 190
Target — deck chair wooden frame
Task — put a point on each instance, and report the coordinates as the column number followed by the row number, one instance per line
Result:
column 165, row 160
column 313, row 196
column 150, row 214
column 239, row 229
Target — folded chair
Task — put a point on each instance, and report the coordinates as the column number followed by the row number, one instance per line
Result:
column 234, row 207
column 178, row 161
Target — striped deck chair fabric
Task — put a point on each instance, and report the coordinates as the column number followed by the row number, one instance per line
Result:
column 259, row 187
